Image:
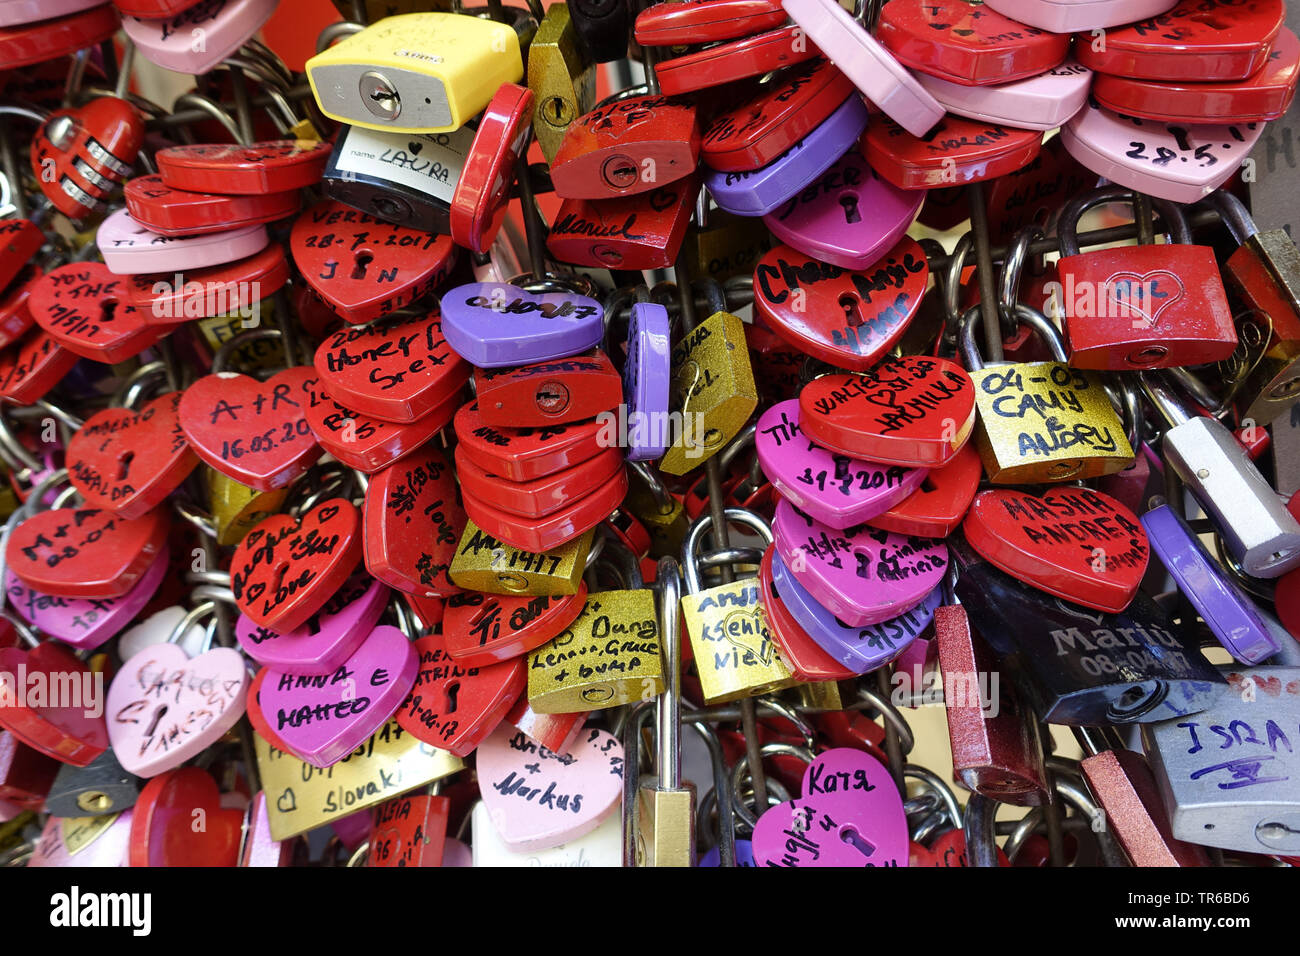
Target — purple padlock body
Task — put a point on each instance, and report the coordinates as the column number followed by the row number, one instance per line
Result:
column 1225, row 607
column 82, row 622
column 848, row 217
column 497, row 325
column 860, row 649
column 328, row 639
column 761, row 191
column 744, row 855
column 646, row 381
column 837, row 490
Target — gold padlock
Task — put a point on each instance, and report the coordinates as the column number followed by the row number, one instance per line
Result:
column 261, row 352
column 1041, row 421
column 482, row 563
column 726, row 245
column 607, row 657
column 561, row 77
column 236, row 509
column 662, row 513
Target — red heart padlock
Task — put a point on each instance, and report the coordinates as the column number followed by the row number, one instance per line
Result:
column 80, row 155
column 1033, row 192
column 153, row 9
column 541, row 496
column 556, row 528
column 257, row 169
column 62, row 729
column 947, row 850
column 806, row 660
column 85, row 552
column 556, row 732
column 478, row 206
column 966, row 42
column 26, row 774
column 783, row 111
column 416, row 492
column 936, row 508
column 706, row 21
column 728, row 62
column 548, row 393
column 396, row 369
column 644, row 231
column 126, row 461
column 362, row 267
column 15, row 316
column 83, row 306
column 32, row 366
column 164, row 822
column 29, row 43
column 168, row 298
column 1076, row 543
column 847, row 318
column 483, row 629
column 261, row 726
column 176, row 212
column 255, row 432
column 21, row 239
column 522, row 454
column 910, row 411
column 285, row 570
column 955, row 151
column 454, row 706
column 371, row 444
column 409, row 831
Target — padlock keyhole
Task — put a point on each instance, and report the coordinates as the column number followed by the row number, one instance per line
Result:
column 849, row 203
column 107, row 309
column 453, row 689
column 856, row 840
column 852, row 310
column 124, row 464
column 864, row 564
column 157, row 718
column 841, row 466
column 360, row 264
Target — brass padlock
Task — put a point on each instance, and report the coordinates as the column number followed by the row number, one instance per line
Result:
column 261, row 352
column 713, row 387
column 734, row 651
column 662, row 513
column 482, row 563
column 725, row 245
column 236, row 509
column 561, row 77
column 607, row 657
column 1041, row 421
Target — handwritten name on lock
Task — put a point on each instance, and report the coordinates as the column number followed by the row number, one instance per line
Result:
column 438, row 529
column 1047, row 406
column 1089, row 521
column 505, row 557
column 388, row 356
column 554, row 771
column 295, row 543
column 906, row 391
column 731, row 619
column 391, row 761
column 616, row 636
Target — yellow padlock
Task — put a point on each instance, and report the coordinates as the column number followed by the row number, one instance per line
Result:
column 236, row 509
column 482, row 563
column 561, row 77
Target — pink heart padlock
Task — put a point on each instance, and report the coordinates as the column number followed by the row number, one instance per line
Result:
column 198, row 38
column 328, row 639
column 850, row 814
column 537, row 799
column 129, row 248
column 323, row 718
column 1041, row 102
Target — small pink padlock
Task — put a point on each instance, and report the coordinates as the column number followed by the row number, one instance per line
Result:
column 1079, row 16
column 129, row 248
column 198, row 38
column 1044, row 102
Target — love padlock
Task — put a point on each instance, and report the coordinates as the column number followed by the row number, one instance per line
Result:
column 522, row 454
column 706, row 21
column 1069, row 16
column 542, row 326
column 162, row 822
column 32, row 366
column 371, row 444
column 80, row 155
column 955, row 150
column 15, row 317
column 62, row 729
column 129, row 248
column 277, row 166
column 804, row 656
column 175, row 212
column 1039, row 102
column 478, row 206
column 482, row 629
column 548, row 393
column 647, row 373
column 49, row 36
column 634, row 232
column 223, row 26
column 409, row 831
column 83, row 307
column 556, row 732
column 543, row 496
column 725, row 63
column 84, row 841
column 552, row 530
column 21, row 239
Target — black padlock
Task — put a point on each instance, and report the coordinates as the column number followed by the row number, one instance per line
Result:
column 100, row 787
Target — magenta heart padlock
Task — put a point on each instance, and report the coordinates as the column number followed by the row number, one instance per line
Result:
column 835, row 489
column 329, row 637
column 862, row 575
column 496, row 325
column 129, row 248
column 85, row 623
column 200, row 37
column 850, row 814
column 323, row 718
column 849, row 216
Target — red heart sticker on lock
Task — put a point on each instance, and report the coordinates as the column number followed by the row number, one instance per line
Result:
column 65, row 731
column 84, row 307
column 85, row 552
column 164, row 823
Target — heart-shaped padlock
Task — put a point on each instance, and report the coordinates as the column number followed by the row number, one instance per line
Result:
column 850, row 814
column 1075, row 543
column 552, row 530
column 955, row 151
column 84, row 841
column 647, row 377
column 60, row 725
column 168, row 298
column 129, row 248
column 329, row 637
column 522, row 454
column 1040, row 102
column 21, row 239
column 15, row 317
column 254, row 432
column 42, row 38
column 163, row 822
column 86, row 552
column 706, row 21
column 541, row 496
column 537, row 798
column 285, row 570
column 478, row 206
column 126, row 461
column 556, row 732
column 455, row 706
column 80, row 155
column 482, row 629
column 83, row 307
column 644, row 231
column 363, row 267
column 548, row 393
column 199, row 37
column 416, row 492
column 371, row 444
column 409, row 831
column 915, row 411
column 257, row 169
column 496, row 325
column 256, row 718
column 32, row 366
column 176, row 212
column 937, row 506
column 395, row 369
column 321, row 719
column 804, row 656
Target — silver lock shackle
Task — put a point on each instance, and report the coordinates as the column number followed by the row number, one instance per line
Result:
column 1040, row 323
column 1067, row 229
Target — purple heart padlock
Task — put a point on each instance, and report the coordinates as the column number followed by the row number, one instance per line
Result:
column 645, row 381
column 497, row 325
column 848, row 217
column 862, row 575
column 860, row 649
column 837, row 490
column 1225, row 607
column 323, row 718
column 329, row 637
column 758, row 192
column 850, row 814
column 82, row 622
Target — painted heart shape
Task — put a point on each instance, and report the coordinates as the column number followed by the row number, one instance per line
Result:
column 33, row 366
column 84, row 841
column 285, row 570
column 86, row 552
column 84, row 308
column 370, row 444
column 1128, row 290
column 65, row 731
column 417, row 492
column 541, row 326
column 163, row 830
column 928, row 414
column 328, row 638
column 850, row 814
column 129, row 248
column 538, row 799
column 126, row 461
column 164, row 708
column 254, row 432
column 395, row 369
column 937, row 506
column 321, row 719
column 363, row 267
column 453, row 706
column 836, row 490
column 85, row 623
column 1075, row 543
column 167, row 298
column 861, row 575
column 482, row 629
